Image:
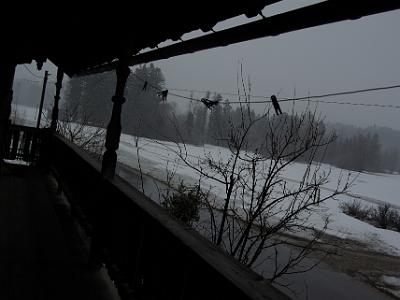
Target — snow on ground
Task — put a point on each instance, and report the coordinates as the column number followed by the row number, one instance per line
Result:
column 16, row 162
column 391, row 280
column 156, row 156
column 392, row 285
column 26, row 115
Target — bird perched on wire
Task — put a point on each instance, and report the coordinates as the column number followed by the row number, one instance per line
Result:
column 276, row 105
column 144, row 88
column 163, row 95
column 209, row 103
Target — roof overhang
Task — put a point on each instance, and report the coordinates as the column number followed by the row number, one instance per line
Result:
column 78, row 37
column 306, row 17
column 86, row 41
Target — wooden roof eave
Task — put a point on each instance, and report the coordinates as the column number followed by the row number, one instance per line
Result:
column 306, row 17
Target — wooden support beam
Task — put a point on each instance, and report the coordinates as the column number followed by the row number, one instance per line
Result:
column 114, row 127
column 46, row 75
column 7, row 71
column 317, row 14
column 54, row 115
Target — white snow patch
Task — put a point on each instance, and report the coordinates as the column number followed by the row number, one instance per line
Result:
column 372, row 188
column 16, row 162
column 394, row 283
column 391, row 280
column 381, row 187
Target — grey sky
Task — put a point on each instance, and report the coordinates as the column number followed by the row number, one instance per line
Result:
column 348, row 55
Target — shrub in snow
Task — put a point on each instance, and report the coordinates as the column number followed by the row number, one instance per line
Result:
column 394, row 220
column 185, row 203
column 356, row 209
column 382, row 215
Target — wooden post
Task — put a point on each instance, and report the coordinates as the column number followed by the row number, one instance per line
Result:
column 7, row 71
column 46, row 74
column 114, row 127
column 54, row 115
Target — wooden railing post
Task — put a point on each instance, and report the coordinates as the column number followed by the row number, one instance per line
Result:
column 54, row 115
column 7, row 71
column 114, row 127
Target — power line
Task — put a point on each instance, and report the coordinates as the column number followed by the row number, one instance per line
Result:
column 158, row 89
column 33, row 74
column 34, row 81
column 307, row 98
column 184, row 97
column 37, row 76
column 314, row 101
column 345, row 93
column 221, row 93
column 352, row 103
column 29, row 80
column 291, row 99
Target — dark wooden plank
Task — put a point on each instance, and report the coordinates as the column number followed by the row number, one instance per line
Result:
column 36, row 257
column 27, row 140
column 15, row 143
column 146, row 250
column 318, row 14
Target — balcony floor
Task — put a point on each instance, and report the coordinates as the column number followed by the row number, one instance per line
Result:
column 41, row 254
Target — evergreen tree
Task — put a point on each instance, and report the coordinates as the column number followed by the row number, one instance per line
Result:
column 91, row 96
column 374, row 154
column 189, row 126
column 214, row 132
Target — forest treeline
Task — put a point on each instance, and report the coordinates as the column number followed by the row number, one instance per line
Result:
column 146, row 114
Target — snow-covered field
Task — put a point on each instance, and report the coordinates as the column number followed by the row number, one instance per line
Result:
column 157, row 156
column 392, row 285
column 26, row 115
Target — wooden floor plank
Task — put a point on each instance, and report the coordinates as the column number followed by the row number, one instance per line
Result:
column 35, row 253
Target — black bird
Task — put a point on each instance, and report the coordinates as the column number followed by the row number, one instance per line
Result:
column 209, row 103
column 275, row 103
column 144, row 88
column 163, row 95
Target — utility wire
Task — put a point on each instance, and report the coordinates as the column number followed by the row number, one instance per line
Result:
column 159, row 90
column 294, row 99
column 29, row 80
column 221, row 93
column 291, row 99
column 307, row 98
column 350, row 103
column 344, row 93
column 37, row 76
column 33, row 74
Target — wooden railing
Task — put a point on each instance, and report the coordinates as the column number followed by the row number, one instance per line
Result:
column 148, row 254
column 24, row 143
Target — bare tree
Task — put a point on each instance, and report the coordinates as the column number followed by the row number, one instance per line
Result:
column 136, row 137
column 76, row 127
column 258, row 206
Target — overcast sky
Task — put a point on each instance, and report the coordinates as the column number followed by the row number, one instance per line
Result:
column 342, row 56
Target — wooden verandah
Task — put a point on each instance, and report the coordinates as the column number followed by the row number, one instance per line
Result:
column 41, row 253
column 146, row 253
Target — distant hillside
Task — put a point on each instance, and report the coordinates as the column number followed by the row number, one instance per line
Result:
column 28, row 92
column 389, row 138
